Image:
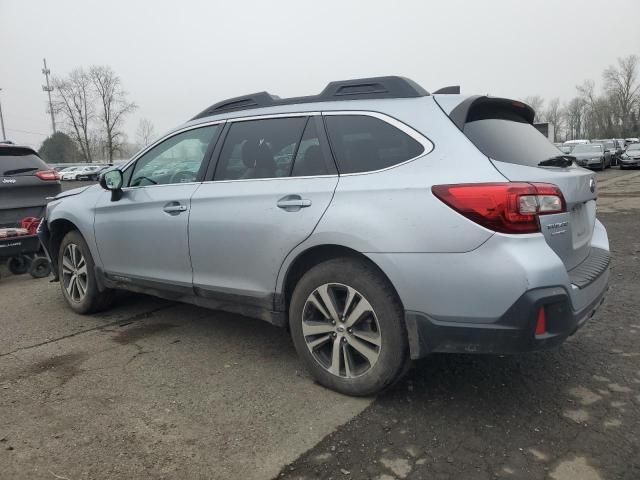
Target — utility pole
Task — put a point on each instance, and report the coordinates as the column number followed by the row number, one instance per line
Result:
column 48, row 88
column 4, row 135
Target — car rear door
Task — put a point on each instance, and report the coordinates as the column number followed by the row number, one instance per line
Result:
column 25, row 184
column 273, row 181
column 502, row 129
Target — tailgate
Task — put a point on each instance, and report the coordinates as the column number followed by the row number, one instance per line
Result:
column 568, row 234
column 23, row 191
column 503, row 130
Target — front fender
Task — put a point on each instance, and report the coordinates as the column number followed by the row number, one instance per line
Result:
column 79, row 211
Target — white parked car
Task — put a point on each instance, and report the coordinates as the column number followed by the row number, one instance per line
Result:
column 72, row 174
column 576, row 142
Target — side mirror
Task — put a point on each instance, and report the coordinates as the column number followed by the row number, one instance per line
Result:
column 112, row 180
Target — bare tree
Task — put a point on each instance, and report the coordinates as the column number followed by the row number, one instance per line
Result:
column 74, row 102
column 114, row 106
column 574, row 115
column 621, row 83
column 599, row 118
column 537, row 103
column 553, row 116
column 145, row 132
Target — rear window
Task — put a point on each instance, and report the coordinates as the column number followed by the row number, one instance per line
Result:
column 19, row 161
column 362, row 143
column 510, row 140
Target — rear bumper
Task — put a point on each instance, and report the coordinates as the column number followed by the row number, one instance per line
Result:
column 514, row 332
column 487, row 300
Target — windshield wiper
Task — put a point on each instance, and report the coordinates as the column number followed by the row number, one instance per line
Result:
column 558, row 161
column 19, row 170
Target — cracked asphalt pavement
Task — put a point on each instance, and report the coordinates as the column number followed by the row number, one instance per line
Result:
column 154, row 389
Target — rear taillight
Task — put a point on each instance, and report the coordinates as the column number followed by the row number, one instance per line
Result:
column 48, row 175
column 503, row 207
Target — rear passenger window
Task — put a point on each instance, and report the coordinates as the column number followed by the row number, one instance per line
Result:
column 362, row 143
column 259, row 148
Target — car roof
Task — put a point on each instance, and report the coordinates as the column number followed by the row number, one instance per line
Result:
column 11, row 146
column 341, row 90
column 354, row 94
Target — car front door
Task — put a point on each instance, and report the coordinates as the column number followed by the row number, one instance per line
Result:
column 142, row 236
column 273, row 181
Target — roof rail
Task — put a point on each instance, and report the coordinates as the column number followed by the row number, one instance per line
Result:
column 357, row 89
column 452, row 90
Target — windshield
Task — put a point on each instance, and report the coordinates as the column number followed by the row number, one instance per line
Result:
column 588, row 148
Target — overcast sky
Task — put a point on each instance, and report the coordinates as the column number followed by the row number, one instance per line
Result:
column 177, row 57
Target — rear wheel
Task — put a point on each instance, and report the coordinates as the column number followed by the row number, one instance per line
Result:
column 78, row 278
column 347, row 326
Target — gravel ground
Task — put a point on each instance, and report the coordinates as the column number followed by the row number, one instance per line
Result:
column 568, row 414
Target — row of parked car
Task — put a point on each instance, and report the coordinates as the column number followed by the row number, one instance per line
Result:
column 81, row 172
column 603, row 153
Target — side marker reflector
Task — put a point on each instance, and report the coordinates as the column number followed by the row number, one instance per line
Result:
column 541, row 324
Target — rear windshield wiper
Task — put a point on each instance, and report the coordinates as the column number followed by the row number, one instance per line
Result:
column 558, row 161
column 19, row 170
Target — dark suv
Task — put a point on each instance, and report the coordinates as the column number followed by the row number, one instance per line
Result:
column 25, row 183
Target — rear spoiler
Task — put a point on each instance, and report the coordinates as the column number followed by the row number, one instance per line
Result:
column 481, row 107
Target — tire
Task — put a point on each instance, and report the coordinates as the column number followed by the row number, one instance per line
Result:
column 91, row 299
column 40, row 268
column 386, row 357
column 19, row 265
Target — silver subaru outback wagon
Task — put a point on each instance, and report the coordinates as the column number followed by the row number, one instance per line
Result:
column 377, row 222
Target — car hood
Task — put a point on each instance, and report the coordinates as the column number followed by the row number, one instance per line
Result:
column 74, row 191
column 635, row 154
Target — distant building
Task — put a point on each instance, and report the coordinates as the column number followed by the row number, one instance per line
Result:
column 545, row 129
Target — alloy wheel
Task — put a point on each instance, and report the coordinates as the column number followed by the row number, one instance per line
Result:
column 341, row 330
column 74, row 272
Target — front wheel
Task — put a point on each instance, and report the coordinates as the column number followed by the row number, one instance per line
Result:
column 347, row 326
column 76, row 271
